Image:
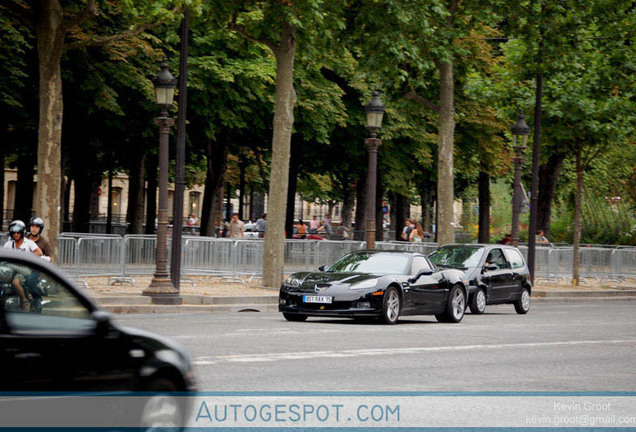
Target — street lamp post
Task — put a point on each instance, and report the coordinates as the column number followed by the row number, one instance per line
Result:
column 520, row 132
column 375, row 112
column 243, row 150
column 161, row 288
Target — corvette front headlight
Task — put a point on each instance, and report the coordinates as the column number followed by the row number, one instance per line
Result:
column 369, row 283
column 292, row 282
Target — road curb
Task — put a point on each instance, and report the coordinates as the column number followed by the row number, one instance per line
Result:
column 582, row 299
column 583, row 293
column 194, row 303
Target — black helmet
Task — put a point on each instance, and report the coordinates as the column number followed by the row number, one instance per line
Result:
column 17, row 226
column 37, row 222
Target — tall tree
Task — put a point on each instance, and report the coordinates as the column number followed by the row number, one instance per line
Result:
column 52, row 22
column 280, row 25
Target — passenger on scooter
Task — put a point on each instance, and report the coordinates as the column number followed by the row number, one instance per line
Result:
column 36, row 227
column 17, row 230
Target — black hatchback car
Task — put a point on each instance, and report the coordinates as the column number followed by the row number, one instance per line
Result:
column 53, row 338
column 496, row 274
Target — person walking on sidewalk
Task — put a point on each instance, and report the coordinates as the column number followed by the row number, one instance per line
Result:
column 314, row 224
column 237, row 227
column 261, row 225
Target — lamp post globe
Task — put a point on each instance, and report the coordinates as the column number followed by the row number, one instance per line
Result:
column 165, row 84
column 520, row 132
column 375, row 112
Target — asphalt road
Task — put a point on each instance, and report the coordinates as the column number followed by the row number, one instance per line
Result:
column 587, row 346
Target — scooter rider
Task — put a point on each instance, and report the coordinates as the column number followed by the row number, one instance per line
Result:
column 36, row 226
column 17, row 230
column 12, row 282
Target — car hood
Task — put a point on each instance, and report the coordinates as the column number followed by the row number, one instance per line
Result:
column 308, row 281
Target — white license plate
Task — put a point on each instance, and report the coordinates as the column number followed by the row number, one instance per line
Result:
column 317, row 299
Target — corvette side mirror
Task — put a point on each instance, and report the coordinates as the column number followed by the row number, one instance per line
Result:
column 321, row 268
column 423, row 272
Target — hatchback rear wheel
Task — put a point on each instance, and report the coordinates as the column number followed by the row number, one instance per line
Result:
column 522, row 306
column 478, row 302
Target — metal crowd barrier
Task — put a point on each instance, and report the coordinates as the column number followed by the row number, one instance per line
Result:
column 112, row 255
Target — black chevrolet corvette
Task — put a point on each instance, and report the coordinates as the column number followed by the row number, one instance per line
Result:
column 384, row 284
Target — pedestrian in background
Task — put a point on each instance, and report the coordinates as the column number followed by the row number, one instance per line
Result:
column 541, row 238
column 314, row 224
column 343, row 231
column 506, row 240
column 327, row 225
column 261, row 225
column 302, row 230
column 193, row 221
column 236, row 227
column 417, row 233
column 406, row 231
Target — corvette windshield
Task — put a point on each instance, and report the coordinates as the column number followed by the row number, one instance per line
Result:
column 457, row 257
column 372, row 263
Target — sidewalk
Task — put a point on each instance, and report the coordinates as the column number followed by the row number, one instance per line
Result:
column 207, row 294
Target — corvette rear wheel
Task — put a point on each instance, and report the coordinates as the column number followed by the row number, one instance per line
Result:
column 391, row 306
column 478, row 302
column 455, row 307
column 295, row 317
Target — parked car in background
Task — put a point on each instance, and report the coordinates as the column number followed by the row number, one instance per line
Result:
column 250, row 230
column 307, row 236
column 496, row 274
column 375, row 284
column 64, row 342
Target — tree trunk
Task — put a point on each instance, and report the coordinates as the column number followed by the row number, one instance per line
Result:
column 24, row 189
column 427, row 194
column 294, row 166
column 84, row 185
column 152, row 163
column 402, row 213
column 212, row 210
column 50, row 31
column 548, row 176
column 379, row 215
column 2, row 188
column 361, row 207
column 66, row 224
column 109, row 207
column 347, row 205
column 273, row 259
column 484, row 208
column 135, row 211
column 576, row 261
column 445, row 197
